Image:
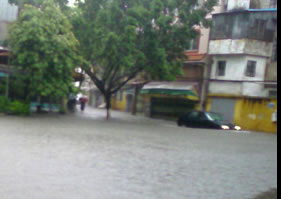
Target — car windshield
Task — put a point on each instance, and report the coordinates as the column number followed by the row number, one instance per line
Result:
column 215, row 116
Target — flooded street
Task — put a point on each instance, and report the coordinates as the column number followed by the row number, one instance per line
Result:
column 83, row 156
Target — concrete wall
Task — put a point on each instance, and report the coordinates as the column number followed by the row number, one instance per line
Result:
column 267, row 3
column 255, row 114
column 254, row 89
column 7, row 12
column 225, row 88
column 271, row 73
column 260, row 48
column 235, row 70
column 3, row 30
column 204, row 40
column 236, row 66
column 240, row 46
column 235, row 4
column 191, row 71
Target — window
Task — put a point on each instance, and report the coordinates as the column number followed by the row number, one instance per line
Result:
column 251, row 69
column 221, row 68
column 193, row 115
column 193, row 45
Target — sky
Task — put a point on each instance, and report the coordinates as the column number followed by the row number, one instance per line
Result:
column 70, row 2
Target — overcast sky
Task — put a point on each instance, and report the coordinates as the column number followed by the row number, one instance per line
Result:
column 70, row 2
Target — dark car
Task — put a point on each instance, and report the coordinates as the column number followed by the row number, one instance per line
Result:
column 200, row 119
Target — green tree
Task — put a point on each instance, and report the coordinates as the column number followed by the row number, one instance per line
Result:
column 38, row 3
column 122, row 38
column 45, row 49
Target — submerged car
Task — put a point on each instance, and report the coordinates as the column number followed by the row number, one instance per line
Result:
column 211, row 120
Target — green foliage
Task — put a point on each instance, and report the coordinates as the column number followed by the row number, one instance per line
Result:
column 37, row 3
column 4, row 102
column 18, row 108
column 122, row 38
column 43, row 45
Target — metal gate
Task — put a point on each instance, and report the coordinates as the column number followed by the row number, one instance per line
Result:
column 224, row 106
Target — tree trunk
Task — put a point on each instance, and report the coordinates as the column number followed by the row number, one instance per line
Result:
column 135, row 98
column 108, row 105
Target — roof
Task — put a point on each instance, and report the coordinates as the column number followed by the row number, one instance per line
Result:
column 248, row 10
column 171, row 88
column 194, row 57
column 263, row 10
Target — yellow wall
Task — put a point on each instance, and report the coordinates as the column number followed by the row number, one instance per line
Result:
column 208, row 105
column 254, row 114
column 116, row 104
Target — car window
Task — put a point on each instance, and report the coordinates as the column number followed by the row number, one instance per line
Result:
column 202, row 116
column 194, row 115
column 215, row 116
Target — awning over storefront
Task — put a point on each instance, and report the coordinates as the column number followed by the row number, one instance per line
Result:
column 3, row 74
column 171, row 88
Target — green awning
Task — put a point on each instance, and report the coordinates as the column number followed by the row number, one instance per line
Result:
column 169, row 92
column 176, row 88
column 3, row 74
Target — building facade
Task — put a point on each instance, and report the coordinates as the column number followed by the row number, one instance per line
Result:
column 8, row 13
column 242, row 75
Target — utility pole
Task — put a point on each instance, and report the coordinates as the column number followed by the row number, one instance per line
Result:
column 8, row 78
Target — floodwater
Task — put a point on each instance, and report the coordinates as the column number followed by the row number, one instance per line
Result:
column 82, row 156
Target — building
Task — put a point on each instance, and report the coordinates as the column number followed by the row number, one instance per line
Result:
column 164, row 98
column 242, row 75
column 8, row 13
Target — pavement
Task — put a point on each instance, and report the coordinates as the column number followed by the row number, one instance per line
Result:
column 84, row 156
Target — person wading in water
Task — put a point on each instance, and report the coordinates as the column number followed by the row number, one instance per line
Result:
column 83, row 101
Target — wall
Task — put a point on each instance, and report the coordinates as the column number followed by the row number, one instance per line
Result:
column 261, row 48
column 3, row 30
column 236, row 66
column 118, row 104
column 271, row 73
column 240, row 46
column 219, row 8
column 230, row 88
column 192, row 71
column 234, row 4
column 204, row 40
column 255, row 114
column 235, row 70
column 7, row 12
column 268, row 3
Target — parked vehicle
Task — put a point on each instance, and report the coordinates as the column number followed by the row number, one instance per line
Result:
column 200, row 119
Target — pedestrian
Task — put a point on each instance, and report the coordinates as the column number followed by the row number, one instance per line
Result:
column 83, row 101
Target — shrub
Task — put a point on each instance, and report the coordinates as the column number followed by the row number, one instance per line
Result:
column 18, row 108
column 4, row 102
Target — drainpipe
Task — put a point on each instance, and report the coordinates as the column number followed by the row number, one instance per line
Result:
column 205, row 84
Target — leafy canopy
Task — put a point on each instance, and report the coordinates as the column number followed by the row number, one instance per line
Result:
column 122, row 38
column 38, row 3
column 43, row 45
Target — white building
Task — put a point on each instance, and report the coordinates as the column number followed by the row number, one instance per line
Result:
column 241, row 48
column 8, row 13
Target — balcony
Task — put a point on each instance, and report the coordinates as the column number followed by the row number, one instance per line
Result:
column 243, row 32
column 240, row 46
